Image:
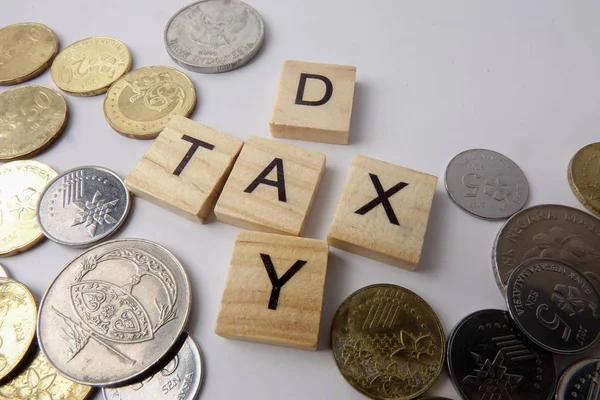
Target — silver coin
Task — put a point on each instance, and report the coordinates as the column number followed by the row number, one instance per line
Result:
column 486, row 184
column 113, row 312
column 83, row 206
column 180, row 379
column 3, row 272
column 213, row 36
column 580, row 381
column 554, row 305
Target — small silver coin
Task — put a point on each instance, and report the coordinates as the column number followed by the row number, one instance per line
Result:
column 3, row 272
column 83, row 206
column 580, row 381
column 213, row 36
column 113, row 312
column 180, row 379
column 554, row 305
column 486, row 184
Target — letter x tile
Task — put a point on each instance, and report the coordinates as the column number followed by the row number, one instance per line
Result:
column 383, row 212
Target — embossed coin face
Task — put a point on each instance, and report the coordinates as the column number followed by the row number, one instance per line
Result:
column 548, row 231
column 120, row 305
column 580, row 381
column 31, row 118
column 214, row 35
column 26, row 50
column 489, row 359
column 21, row 184
column 42, row 382
column 486, row 184
column 554, row 305
column 83, row 206
column 584, row 177
column 88, row 67
column 387, row 342
column 180, row 379
column 140, row 104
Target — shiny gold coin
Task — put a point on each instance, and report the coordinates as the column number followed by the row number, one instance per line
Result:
column 140, row 104
column 21, row 184
column 31, row 118
column 40, row 381
column 26, row 50
column 387, row 342
column 90, row 66
column 584, row 177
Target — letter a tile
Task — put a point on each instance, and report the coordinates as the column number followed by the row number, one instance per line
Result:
column 185, row 168
column 274, row 290
column 383, row 212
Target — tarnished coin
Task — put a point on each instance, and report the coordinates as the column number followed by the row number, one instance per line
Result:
column 26, row 50
column 548, row 231
column 83, row 206
column 554, row 305
column 580, row 381
column 214, row 35
column 584, row 177
column 387, row 342
column 31, row 118
column 120, row 305
column 141, row 104
column 41, row 382
column 88, row 67
column 180, row 379
column 489, row 359
column 21, row 184
column 18, row 313
column 486, row 184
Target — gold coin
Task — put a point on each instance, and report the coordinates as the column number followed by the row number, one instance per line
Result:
column 40, row 381
column 584, row 177
column 90, row 66
column 141, row 103
column 26, row 50
column 31, row 118
column 387, row 342
column 21, row 184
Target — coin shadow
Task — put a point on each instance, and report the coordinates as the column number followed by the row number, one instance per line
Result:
column 359, row 124
column 334, row 285
column 434, row 235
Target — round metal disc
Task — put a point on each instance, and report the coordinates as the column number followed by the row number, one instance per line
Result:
column 580, row 381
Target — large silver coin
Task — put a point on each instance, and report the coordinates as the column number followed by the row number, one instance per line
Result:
column 83, row 206
column 213, row 36
column 548, row 231
column 113, row 312
column 486, row 184
column 580, row 381
column 180, row 379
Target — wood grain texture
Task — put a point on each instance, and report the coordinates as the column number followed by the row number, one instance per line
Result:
column 373, row 235
column 245, row 312
column 194, row 192
column 327, row 123
column 262, row 209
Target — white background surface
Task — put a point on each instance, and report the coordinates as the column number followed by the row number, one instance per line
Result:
column 434, row 78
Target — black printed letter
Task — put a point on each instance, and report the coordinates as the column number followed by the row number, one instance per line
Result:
column 262, row 178
column 195, row 144
column 382, row 198
column 302, row 85
column 276, row 281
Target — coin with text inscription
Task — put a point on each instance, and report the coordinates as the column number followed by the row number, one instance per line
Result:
column 584, row 177
column 213, row 36
column 83, row 206
column 580, row 380
column 121, row 305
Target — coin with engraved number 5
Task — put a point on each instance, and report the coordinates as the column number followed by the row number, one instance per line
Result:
column 580, row 381
column 387, row 342
column 114, row 311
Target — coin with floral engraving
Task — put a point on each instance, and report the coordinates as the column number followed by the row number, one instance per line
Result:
column 387, row 342
column 488, row 358
column 179, row 379
column 584, row 177
column 581, row 380
column 120, row 305
column 83, row 206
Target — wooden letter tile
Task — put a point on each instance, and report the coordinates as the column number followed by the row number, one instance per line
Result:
column 271, row 187
column 274, row 290
column 314, row 102
column 185, row 168
column 383, row 212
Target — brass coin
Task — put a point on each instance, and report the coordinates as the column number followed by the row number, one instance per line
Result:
column 21, row 184
column 18, row 313
column 88, row 67
column 40, row 381
column 584, row 177
column 26, row 50
column 387, row 342
column 31, row 118
column 141, row 103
